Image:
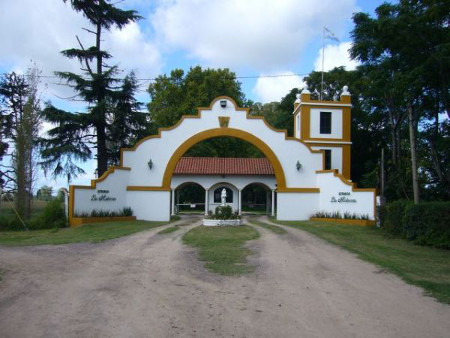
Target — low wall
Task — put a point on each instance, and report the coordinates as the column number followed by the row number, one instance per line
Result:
column 77, row 221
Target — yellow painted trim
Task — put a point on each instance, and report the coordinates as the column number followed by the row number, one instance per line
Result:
column 346, row 160
column 361, row 222
column 230, row 132
column 300, row 190
column 146, row 188
column 199, row 111
column 77, row 221
column 224, row 121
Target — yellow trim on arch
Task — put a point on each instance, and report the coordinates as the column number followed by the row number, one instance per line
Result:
column 199, row 112
column 230, row 132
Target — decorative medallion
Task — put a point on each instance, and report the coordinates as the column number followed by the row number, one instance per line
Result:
column 224, row 121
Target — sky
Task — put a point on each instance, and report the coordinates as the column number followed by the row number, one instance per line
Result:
column 256, row 39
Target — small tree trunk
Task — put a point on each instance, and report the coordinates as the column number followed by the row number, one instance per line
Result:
column 382, row 188
column 412, row 140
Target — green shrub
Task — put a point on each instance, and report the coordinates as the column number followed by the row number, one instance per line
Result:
column 337, row 215
column 11, row 223
column 428, row 224
column 53, row 216
column 127, row 211
column 393, row 217
column 223, row 212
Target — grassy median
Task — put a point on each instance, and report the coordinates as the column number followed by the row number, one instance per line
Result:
column 423, row 266
column 222, row 247
column 92, row 233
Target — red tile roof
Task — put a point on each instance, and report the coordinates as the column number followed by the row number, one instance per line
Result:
column 223, row 166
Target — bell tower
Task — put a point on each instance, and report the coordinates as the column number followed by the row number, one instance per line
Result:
column 325, row 125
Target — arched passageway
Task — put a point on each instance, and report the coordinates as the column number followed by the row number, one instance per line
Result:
column 189, row 198
column 257, row 199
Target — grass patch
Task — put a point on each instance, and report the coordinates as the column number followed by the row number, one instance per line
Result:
column 93, row 233
column 271, row 227
column 169, row 230
column 222, row 248
column 426, row 267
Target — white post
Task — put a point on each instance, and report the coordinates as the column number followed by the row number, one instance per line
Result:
column 206, row 202
column 240, row 203
column 273, row 202
column 173, row 201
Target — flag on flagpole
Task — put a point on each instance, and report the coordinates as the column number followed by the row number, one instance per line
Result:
column 330, row 35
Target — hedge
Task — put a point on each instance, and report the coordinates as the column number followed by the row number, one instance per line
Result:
column 52, row 216
column 426, row 223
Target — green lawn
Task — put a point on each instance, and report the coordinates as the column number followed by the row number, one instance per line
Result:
column 426, row 267
column 169, row 230
column 271, row 227
column 222, row 248
column 93, row 233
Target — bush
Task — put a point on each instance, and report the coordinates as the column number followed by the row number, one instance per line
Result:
column 11, row 223
column 393, row 217
column 53, row 216
column 337, row 215
column 426, row 223
column 223, row 213
column 127, row 211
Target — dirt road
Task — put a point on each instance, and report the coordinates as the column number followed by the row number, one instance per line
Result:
column 150, row 285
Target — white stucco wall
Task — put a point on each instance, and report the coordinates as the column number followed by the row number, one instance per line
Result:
column 332, row 188
column 336, row 123
column 296, row 206
column 150, row 205
column 287, row 151
column 116, row 185
column 155, row 205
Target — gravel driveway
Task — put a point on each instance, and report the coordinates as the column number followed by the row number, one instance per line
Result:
column 149, row 285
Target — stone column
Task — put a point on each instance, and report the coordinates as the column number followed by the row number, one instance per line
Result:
column 172, row 195
column 206, row 201
column 267, row 202
column 273, row 202
column 240, row 203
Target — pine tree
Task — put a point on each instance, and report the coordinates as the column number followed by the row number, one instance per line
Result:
column 76, row 135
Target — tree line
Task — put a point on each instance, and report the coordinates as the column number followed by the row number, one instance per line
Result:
column 400, row 96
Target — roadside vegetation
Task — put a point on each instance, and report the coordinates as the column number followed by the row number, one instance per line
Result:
column 422, row 266
column 91, row 233
column 222, row 248
column 275, row 229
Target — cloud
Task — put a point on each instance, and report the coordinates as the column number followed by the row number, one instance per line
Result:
column 336, row 56
column 52, row 26
column 261, row 34
column 270, row 89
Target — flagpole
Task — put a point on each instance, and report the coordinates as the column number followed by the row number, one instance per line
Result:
column 323, row 61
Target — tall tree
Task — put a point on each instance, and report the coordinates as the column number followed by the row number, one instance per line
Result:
column 76, row 134
column 410, row 42
column 21, row 109
column 128, row 123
